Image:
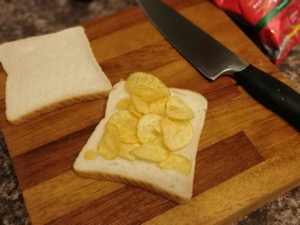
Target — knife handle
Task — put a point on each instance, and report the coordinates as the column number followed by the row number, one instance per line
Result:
column 272, row 93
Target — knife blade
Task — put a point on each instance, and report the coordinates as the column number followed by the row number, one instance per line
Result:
column 212, row 60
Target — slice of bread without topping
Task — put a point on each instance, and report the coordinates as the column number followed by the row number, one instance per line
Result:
column 167, row 183
column 48, row 72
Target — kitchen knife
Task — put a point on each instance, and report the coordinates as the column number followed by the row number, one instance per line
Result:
column 212, row 59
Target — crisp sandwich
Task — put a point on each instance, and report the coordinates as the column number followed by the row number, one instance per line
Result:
column 148, row 138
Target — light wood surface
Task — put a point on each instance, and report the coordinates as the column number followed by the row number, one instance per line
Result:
column 247, row 155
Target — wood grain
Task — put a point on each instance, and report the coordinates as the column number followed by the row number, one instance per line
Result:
column 247, row 154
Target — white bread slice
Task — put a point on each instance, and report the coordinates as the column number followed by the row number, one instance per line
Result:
column 167, row 183
column 50, row 71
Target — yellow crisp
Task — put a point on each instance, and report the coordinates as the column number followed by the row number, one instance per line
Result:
column 140, row 105
column 151, row 152
column 176, row 133
column 90, row 155
column 123, row 104
column 146, row 86
column 126, row 124
column 109, row 144
column 126, row 149
column 159, row 106
column 131, row 108
column 149, row 127
column 176, row 162
column 178, row 109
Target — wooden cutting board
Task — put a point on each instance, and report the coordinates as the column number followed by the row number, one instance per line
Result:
column 247, row 154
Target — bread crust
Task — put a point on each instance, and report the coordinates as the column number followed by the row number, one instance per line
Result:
column 56, row 105
column 135, row 183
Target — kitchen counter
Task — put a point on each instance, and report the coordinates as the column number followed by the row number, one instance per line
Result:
column 20, row 19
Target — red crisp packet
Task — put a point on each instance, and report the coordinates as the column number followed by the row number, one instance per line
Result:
column 276, row 22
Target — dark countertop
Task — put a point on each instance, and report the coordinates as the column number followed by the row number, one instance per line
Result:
column 24, row 18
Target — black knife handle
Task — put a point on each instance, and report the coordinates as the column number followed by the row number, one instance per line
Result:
column 272, row 93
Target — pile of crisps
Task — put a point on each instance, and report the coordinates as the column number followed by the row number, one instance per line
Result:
column 150, row 125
